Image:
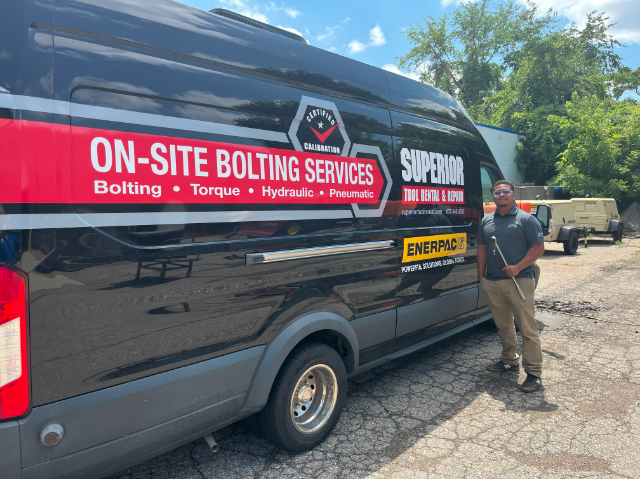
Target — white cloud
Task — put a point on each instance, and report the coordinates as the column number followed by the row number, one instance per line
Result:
column 329, row 32
column 376, row 36
column 445, row 3
column 346, row 20
column 292, row 30
column 624, row 13
column 390, row 67
column 292, row 12
column 244, row 8
column 356, row 47
column 272, row 6
column 331, row 49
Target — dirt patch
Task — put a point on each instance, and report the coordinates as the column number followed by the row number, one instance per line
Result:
column 615, row 402
column 583, row 308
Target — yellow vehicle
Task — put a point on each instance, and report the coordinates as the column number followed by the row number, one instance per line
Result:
column 598, row 215
column 558, row 222
column 556, row 217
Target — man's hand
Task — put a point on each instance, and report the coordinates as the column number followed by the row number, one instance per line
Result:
column 512, row 271
column 532, row 255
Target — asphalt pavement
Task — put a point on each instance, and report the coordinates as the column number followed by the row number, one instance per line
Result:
column 438, row 413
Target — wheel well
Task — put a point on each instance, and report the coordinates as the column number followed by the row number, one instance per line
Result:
column 336, row 341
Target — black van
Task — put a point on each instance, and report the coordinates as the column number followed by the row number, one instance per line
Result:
column 204, row 218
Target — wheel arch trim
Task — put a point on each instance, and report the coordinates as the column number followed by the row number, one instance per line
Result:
column 279, row 348
column 614, row 226
column 565, row 233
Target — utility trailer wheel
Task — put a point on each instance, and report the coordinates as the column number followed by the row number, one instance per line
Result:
column 571, row 245
column 306, row 399
column 617, row 236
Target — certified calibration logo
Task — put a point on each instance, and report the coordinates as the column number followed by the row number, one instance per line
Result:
column 318, row 127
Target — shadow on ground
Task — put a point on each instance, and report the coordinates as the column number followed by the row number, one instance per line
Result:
column 388, row 411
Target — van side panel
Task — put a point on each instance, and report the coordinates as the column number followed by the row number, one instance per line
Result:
column 137, row 288
column 154, row 306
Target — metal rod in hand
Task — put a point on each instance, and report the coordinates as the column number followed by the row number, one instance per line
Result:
column 493, row 238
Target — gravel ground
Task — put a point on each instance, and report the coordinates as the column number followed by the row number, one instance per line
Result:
column 439, row 414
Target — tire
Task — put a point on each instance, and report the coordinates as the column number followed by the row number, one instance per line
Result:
column 617, row 236
column 313, row 373
column 571, row 245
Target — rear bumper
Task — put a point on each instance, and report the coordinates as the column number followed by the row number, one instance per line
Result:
column 10, row 449
column 117, row 427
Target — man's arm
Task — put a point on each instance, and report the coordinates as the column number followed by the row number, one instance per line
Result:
column 482, row 260
column 536, row 250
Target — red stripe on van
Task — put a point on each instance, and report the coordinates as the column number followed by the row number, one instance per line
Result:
column 51, row 163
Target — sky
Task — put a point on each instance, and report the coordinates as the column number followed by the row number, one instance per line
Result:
column 372, row 31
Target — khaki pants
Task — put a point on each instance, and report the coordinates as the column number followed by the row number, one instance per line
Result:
column 507, row 305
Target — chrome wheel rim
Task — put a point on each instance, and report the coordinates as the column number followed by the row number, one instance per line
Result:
column 313, row 399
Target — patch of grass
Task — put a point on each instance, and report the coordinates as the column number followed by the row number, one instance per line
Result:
column 626, row 245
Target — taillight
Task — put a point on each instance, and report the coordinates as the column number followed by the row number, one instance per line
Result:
column 14, row 371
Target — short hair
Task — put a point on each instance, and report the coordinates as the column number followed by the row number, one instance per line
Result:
column 505, row 182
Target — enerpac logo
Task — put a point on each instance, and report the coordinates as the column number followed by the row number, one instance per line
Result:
column 461, row 243
column 426, row 247
column 318, row 127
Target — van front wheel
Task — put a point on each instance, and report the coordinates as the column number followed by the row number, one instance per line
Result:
column 306, row 399
column 571, row 245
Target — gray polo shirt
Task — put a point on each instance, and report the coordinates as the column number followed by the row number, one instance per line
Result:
column 516, row 232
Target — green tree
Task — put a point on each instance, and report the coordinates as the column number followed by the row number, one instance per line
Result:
column 544, row 74
column 466, row 53
column 562, row 89
column 602, row 157
column 625, row 80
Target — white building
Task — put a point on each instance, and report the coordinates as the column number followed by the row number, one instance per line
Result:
column 503, row 146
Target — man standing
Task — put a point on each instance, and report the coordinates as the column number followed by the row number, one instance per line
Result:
column 520, row 238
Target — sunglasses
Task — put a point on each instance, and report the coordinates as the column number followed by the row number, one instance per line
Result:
column 501, row 192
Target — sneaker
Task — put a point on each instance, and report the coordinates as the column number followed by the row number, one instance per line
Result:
column 500, row 367
column 532, row 383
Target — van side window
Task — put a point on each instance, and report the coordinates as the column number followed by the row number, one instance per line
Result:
column 488, row 177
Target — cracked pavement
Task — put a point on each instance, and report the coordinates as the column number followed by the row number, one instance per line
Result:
column 438, row 413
